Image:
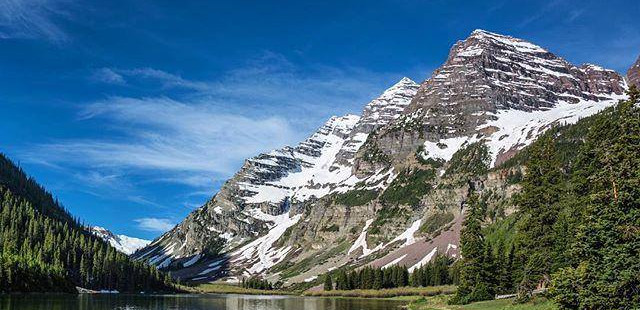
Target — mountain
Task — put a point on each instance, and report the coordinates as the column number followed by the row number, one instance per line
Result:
column 44, row 249
column 388, row 187
column 271, row 182
column 633, row 75
column 125, row 244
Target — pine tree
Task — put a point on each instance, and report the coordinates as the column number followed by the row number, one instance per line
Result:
column 471, row 287
column 542, row 189
column 43, row 248
column 328, row 284
column 606, row 275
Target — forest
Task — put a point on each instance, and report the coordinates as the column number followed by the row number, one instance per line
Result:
column 44, row 249
column 576, row 233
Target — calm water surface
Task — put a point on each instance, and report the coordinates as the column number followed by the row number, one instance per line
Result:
column 189, row 302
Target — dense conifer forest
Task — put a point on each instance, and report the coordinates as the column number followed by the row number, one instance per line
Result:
column 576, row 234
column 44, row 249
column 441, row 270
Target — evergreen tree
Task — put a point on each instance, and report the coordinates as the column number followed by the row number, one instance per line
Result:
column 44, row 249
column 542, row 188
column 606, row 274
column 472, row 287
column 328, row 284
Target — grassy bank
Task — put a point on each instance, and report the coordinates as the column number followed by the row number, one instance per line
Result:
column 440, row 303
column 213, row 288
column 387, row 293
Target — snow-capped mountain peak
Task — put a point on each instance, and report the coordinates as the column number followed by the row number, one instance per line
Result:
column 507, row 41
column 494, row 89
column 125, row 244
column 390, row 104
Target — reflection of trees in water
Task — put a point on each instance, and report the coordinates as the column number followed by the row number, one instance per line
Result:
column 187, row 302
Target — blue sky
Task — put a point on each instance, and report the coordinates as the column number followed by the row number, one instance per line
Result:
column 134, row 113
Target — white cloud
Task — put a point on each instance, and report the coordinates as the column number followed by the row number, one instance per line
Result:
column 202, row 137
column 32, row 19
column 167, row 80
column 154, row 224
column 109, row 76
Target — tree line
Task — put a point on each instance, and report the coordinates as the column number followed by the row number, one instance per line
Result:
column 577, row 230
column 257, row 283
column 43, row 249
column 440, row 271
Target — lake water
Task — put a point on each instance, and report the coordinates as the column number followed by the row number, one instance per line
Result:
column 189, row 302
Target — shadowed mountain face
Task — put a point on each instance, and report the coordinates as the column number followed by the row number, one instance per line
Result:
column 388, row 187
column 633, row 75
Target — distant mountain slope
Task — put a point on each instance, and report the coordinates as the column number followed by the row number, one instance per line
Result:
column 266, row 185
column 390, row 186
column 633, row 75
column 42, row 248
column 125, row 244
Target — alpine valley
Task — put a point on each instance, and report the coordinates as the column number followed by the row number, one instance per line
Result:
column 390, row 186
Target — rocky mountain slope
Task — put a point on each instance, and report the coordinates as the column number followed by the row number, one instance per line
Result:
column 633, row 75
column 125, row 244
column 388, row 187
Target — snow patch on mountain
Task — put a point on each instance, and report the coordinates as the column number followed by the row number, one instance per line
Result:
column 407, row 235
column 512, row 129
column 122, row 243
column 312, row 176
column 394, row 262
column 323, row 162
column 426, row 259
column 361, row 242
column 260, row 254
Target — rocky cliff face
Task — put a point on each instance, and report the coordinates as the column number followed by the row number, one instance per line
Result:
column 485, row 78
column 633, row 75
column 252, row 202
column 389, row 186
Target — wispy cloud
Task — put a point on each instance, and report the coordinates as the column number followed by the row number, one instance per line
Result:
column 540, row 13
column 575, row 14
column 167, row 80
column 199, row 134
column 108, row 75
column 153, row 224
column 166, row 135
column 32, row 19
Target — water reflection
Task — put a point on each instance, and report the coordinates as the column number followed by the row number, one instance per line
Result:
column 188, row 302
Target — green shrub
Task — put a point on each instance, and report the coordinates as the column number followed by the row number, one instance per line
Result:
column 473, row 159
column 333, row 228
column 436, row 221
column 383, row 216
column 409, row 187
column 356, row 197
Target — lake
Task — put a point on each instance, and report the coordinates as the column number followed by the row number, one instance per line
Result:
column 189, row 302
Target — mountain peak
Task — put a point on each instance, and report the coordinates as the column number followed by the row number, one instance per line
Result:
column 479, row 36
column 122, row 243
column 390, row 104
column 633, row 75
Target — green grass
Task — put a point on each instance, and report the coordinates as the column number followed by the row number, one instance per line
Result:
column 440, row 303
column 435, row 222
column 400, row 292
column 473, row 159
column 356, row 197
column 213, row 288
column 501, row 234
column 409, row 187
column 289, row 269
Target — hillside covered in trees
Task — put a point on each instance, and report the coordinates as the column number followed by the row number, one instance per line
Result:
column 44, row 249
column 577, row 229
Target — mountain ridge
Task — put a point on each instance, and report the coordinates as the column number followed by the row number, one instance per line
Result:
column 123, row 243
column 285, row 209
